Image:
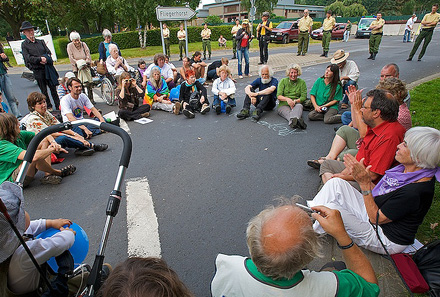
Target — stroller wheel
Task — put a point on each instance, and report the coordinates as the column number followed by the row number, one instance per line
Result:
column 107, row 91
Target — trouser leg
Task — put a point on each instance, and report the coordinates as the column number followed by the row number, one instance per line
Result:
column 316, row 116
column 306, row 43
column 300, row 42
column 55, row 98
column 425, row 43
column 247, row 102
column 43, row 88
column 204, row 48
column 261, row 45
column 265, row 102
column 67, row 141
column 345, row 89
column 266, row 50
column 208, row 43
column 332, row 117
column 234, row 45
column 417, row 43
column 289, row 113
column 326, row 36
column 6, row 87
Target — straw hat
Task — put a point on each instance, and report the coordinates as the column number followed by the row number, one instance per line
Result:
column 339, row 57
column 245, row 21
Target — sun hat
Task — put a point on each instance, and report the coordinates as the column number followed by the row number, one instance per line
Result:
column 12, row 197
column 339, row 57
column 245, row 21
column 26, row 25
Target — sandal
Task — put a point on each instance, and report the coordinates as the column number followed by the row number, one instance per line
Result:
column 51, row 180
column 315, row 163
column 68, row 170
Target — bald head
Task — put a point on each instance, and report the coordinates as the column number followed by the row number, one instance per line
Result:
column 389, row 70
column 282, row 241
column 282, row 232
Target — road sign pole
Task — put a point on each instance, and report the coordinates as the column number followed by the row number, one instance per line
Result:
column 186, row 40
column 161, row 37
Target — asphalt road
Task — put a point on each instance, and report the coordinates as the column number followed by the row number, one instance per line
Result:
column 208, row 176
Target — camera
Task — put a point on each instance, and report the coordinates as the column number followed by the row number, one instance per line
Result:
column 324, row 109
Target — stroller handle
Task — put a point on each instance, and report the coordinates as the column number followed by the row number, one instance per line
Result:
column 33, row 145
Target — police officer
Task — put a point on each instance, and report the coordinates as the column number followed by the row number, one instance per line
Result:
column 305, row 27
column 376, row 28
column 327, row 27
column 206, row 40
column 263, row 34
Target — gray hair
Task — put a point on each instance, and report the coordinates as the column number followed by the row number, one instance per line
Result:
column 112, row 46
column 106, row 33
column 424, row 146
column 153, row 82
column 294, row 259
column 74, row 36
column 394, row 65
column 294, row 66
column 268, row 68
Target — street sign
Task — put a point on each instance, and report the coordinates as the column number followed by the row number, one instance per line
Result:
column 174, row 13
column 253, row 11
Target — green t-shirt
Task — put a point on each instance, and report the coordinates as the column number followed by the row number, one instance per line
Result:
column 292, row 89
column 322, row 92
column 353, row 285
column 9, row 153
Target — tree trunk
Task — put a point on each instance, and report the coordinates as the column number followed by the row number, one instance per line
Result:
column 145, row 34
column 86, row 26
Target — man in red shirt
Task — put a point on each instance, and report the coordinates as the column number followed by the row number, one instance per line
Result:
column 379, row 145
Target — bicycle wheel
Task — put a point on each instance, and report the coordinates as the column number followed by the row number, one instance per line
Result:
column 107, row 91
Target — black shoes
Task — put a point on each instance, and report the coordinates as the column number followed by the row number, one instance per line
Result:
column 409, row 59
column 298, row 54
column 217, row 109
column 302, row 124
column 84, row 152
column 256, row 115
column 228, row 109
column 189, row 114
column 100, row 147
column 297, row 123
column 371, row 56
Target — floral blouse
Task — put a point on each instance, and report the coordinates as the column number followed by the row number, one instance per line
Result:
column 37, row 122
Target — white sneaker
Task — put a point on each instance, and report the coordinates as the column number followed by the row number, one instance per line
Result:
column 240, row 76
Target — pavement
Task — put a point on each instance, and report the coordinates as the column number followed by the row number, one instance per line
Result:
column 192, row 185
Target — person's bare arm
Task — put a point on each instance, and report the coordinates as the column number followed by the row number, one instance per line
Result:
column 356, row 261
column 267, row 91
column 97, row 114
column 43, row 153
column 248, row 91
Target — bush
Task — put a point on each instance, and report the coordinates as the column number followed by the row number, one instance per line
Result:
column 316, row 25
column 60, row 45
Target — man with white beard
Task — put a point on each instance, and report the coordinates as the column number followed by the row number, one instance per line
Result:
column 263, row 99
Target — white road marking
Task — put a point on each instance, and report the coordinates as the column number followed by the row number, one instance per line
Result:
column 142, row 225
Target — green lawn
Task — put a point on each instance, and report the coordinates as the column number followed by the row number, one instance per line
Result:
column 174, row 48
column 425, row 107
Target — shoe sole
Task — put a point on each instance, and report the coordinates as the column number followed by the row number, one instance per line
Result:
column 188, row 114
column 314, row 164
column 204, row 111
column 86, row 152
column 228, row 109
column 54, row 180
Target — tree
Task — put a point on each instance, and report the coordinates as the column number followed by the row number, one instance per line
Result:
column 337, row 8
column 355, row 10
column 260, row 5
column 214, row 20
column 14, row 13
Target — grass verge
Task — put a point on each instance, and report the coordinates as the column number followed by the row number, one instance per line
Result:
column 425, row 106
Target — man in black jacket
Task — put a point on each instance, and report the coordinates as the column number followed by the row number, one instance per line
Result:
column 36, row 56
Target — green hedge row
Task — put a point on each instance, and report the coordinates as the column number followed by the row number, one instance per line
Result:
column 130, row 39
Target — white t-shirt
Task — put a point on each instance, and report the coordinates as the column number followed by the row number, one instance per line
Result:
column 74, row 106
column 410, row 24
column 351, row 70
column 166, row 71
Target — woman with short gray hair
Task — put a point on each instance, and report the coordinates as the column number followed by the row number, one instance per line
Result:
column 291, row 93
column 103, row 47
column 397, row 204
column 80, row 59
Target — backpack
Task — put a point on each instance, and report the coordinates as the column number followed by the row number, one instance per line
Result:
column 427, row 259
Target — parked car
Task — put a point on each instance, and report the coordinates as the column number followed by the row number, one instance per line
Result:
column 337, row 32
column 363, row 25
column 285, row 32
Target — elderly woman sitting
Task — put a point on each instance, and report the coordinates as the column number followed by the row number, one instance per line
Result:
column 399, row 201
column 13, row 145
column 129, row 94
column 291, row 93
column 79, row 56
column 115, row 63
column 165, row 71
column 157, row 93
column 39, row 118
column 223, row 89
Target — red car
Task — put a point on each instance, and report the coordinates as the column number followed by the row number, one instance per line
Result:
column 285, row 32
column 337, row 33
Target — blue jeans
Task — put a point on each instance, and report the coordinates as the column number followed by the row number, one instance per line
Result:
column 244, row 51
column 66, row 141
column 407, row 36
column 346, row 117
column 201, row 80
column 6, row 87
column 345, row 88
column 217, row 101
column 94, row 130
column 346, row 35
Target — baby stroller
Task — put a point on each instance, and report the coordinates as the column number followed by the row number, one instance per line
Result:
column 94, row 279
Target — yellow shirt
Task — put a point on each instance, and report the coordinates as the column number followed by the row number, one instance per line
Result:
column 206, row 33
column 305, row 23
column 377, row 23
column 429, row 18
column 328, row 23
column 166, row 33
column 181, row 35
column 263, row 30
column 235, row 29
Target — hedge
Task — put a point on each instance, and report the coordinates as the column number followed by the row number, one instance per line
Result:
column 126, row 40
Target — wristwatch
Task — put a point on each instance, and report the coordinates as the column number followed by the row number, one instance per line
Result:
column 365, row 193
